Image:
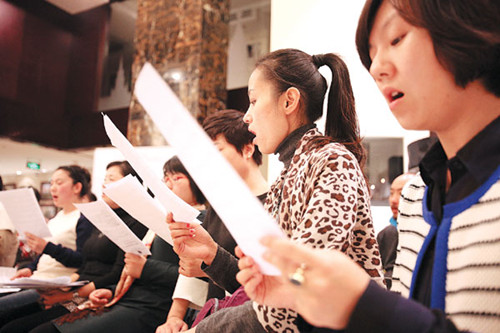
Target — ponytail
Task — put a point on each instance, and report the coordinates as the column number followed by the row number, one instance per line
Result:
column 294, row 68
column 341, row 119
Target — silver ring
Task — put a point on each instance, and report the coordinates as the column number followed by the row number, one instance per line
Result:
column 297, row 278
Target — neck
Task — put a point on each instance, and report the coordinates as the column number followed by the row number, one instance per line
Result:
column 479, row 108
column 69, row 208
column 199, row 206
column 287, row 147
column 255, row 181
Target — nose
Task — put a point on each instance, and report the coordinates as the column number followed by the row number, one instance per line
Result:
column 381, row 67
column 247, row 118
column 167, row 182
column 394, row 200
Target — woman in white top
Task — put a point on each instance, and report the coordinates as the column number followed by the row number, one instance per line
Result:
column 60, row 255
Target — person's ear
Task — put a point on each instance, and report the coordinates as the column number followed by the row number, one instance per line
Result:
column 77, row 188
column 291, row 100
column 248, row 150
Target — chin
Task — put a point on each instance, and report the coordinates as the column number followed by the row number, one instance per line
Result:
column 411, row 124
column 266, row 150
column 109, row 202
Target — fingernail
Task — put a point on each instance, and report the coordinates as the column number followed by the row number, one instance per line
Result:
column 188, row 225
column 191, row 231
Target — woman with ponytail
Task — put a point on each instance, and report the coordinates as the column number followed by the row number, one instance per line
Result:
column 320, row 199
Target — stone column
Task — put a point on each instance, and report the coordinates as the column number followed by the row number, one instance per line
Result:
column 186, row 41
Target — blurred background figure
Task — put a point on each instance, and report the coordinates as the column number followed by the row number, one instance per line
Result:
column 25, row 255
column 388, row 238
column 8, row 237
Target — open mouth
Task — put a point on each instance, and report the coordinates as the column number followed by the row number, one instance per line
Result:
column 396, row 95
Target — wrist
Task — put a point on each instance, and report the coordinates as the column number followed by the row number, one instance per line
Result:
column 173, row 317
column 212, row 253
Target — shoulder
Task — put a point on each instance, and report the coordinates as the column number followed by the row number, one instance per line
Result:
column 413, row 190
column 333, row 158
column 388, row 232
column 316, row 148
column 82, row 220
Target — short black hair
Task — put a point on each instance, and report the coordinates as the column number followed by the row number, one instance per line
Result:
column 125, row 169
column 465, row 35
column 230, row 124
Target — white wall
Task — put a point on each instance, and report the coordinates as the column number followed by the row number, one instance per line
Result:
column 323, row 26
column 253, row 32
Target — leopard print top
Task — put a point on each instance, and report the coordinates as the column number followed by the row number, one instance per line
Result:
column 321, row 200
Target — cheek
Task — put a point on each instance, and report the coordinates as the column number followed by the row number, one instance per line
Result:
column 174, row 189
column 179, row 191
column 226, row 155
column 64, row 191
column 259, row 117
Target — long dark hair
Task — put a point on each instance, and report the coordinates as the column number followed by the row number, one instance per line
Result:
column 288, row 68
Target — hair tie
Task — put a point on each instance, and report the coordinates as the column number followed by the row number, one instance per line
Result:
column 318, row 60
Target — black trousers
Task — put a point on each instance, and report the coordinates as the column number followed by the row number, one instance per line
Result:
column 31, row 321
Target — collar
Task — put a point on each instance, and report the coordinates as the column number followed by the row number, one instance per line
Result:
column 481, row 155
column 393, row 221
column 287, row 147
column 479, row 158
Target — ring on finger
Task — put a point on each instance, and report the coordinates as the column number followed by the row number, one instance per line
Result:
column 297, row 277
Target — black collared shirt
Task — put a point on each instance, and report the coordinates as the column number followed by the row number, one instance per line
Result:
column 470, row 168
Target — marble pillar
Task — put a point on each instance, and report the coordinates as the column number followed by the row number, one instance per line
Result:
column 186, row 41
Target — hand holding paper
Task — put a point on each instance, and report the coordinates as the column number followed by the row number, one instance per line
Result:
column 238, row 208
column 169, row 200
column 129, row 194
column 103, row 217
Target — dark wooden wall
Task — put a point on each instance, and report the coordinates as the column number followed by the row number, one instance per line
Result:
column 50, row 74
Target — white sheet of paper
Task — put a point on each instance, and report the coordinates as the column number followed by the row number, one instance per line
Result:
column 241, row 211
column 180, row 210
column 5, row 274
column 130, row 195
column 24, row 212
column 32, row 283
column 103, row 217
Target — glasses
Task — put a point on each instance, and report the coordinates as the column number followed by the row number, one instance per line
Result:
column 173, row 178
